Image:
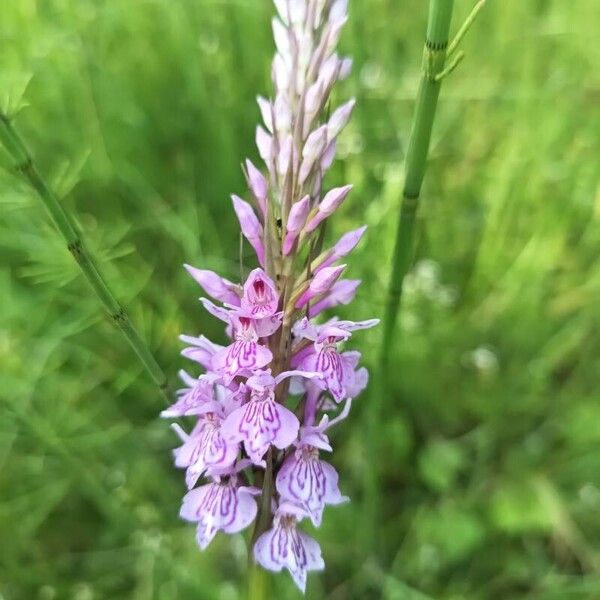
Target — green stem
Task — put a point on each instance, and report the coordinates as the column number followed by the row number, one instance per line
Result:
column 259, row 587
column 258, row 579
column 434, row 56
column 453, row 46
column 23, row 163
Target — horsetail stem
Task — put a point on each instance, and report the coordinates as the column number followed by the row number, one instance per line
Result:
column 23, row 163
column 434, row 57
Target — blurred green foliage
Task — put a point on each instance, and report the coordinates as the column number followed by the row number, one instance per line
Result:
column 139, row 113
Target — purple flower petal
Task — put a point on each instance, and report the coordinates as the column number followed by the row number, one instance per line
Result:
column 342, row 292
column 264, row 143
column 309, row 482
column 259, row 424
column 284, row 546
column 201, row 350
column 220, row 505
column 240, row 357
column 215, row 286
column 191, row 399
column 204, row 448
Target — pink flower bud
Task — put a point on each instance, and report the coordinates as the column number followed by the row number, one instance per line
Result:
column 338, row 11
column 280, row 73
column 344, row 246
column 330, row 202
column 282, row 38
column 266, row 112
column 320, row 283
column 313, row 99
column 258, row 185
column 295, row 223
column 291, row 11
column 328, row 155
column 312, row 151
column 284, row 156
column 339, row 118
column 282, row 115
column 345, row 68
column 335, row 30
column 325, row 278
column 250, row 226
column 329, row 71
column 264, row 143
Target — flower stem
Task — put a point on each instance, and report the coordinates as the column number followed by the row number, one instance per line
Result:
column 258, row 582
column 434, row 56
column 23, row 163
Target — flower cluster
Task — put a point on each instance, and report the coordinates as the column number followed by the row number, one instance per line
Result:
column 266, row 400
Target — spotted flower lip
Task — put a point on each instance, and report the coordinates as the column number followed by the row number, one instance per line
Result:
column 284, row 546
column 204, row 448
column 222, row 505
column 311, row 483
column 244, row 355
column 262, row 422
column 280, row 380
column 304, row 479
column 259, row 424
column 338, row 370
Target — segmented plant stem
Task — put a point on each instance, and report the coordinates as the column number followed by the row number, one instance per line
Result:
column 24, row 164
column 434, row 56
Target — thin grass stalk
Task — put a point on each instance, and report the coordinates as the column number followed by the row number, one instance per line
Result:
column 23, row 163
column 434, row 57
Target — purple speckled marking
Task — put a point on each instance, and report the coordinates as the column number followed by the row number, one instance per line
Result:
column 284, row 546
column 209, row 450
column 308, row 482
column 220, row 505
column 329, row 362
column 259, row 426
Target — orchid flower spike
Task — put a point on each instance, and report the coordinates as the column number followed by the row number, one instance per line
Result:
column 262, row 407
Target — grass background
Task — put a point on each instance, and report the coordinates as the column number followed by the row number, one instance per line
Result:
column 139, row 113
